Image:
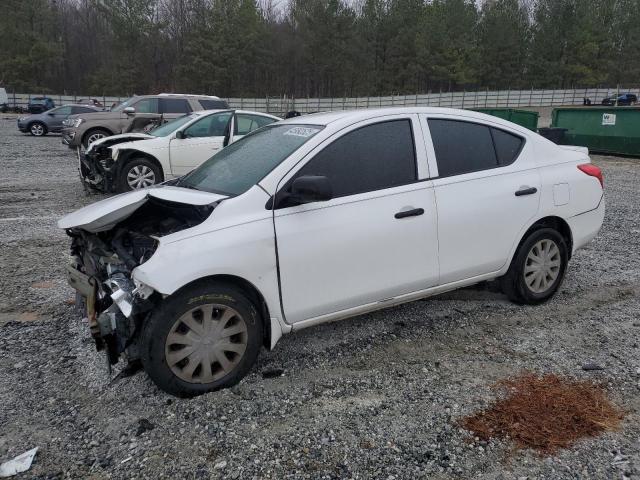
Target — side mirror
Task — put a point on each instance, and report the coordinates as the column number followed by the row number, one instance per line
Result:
column 129, row 111
column 311, row 188
column 181, row 135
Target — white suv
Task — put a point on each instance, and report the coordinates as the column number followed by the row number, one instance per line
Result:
column 321, row 218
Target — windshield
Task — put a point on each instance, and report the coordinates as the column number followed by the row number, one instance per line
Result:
column 123, row 105
column 238, row 167
column 170, row 127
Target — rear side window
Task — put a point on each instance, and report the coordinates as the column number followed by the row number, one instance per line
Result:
column 175, row 105
column 371, row 158
column 462, row 147
column 213, row 104
column 465, row 147
column 248, row 123
column 507, row 145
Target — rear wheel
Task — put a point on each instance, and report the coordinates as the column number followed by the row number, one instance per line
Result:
column 38, row 129
column 202, row 339
column 139, row 173
column 537, row 269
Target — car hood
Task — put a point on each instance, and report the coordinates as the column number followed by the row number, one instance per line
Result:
column 120, row 138
column 104, row 215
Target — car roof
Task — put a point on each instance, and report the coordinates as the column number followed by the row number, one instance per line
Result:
column 352, row 116
column 248, row 112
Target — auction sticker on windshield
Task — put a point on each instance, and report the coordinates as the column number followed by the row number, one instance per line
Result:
column 302, row 131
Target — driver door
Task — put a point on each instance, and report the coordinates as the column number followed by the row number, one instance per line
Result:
column 57, row 116
column 202, row 140
column 375, row 239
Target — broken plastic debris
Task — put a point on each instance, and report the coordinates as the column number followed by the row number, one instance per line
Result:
column 20, row 464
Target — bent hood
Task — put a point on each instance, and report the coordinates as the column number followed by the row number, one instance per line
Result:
column 117, row 139
column 105, row 214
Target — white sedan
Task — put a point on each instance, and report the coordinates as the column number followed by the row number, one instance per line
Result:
column 321, row 218
column 131, row 161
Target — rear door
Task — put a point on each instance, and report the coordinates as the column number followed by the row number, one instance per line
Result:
column 203, row 139
column 487, row 190
column 375, row 239
column 171, row 108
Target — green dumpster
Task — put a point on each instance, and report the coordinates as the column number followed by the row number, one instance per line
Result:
column 523, row 118
column 601, row 129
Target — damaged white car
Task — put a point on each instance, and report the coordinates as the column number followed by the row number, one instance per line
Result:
column 321, row 218
column 130, row 161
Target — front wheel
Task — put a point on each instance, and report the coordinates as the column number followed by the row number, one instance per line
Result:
column 202, row 339
column 537, row 269
column 38, row 129
column 93, row 135
column 139, row 173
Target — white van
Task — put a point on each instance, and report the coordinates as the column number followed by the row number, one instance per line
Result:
column 4, row 99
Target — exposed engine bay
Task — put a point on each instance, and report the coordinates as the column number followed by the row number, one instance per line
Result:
column 102, row 264
column 96, row 165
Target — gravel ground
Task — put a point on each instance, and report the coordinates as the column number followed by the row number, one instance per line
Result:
column 378, row 396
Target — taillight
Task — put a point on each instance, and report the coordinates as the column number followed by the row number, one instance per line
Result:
column 593, row 171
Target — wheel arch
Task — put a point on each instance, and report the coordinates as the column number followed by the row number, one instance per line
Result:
column 557, row 223
column 91, row 129
column 125, row 156
column 254, row 295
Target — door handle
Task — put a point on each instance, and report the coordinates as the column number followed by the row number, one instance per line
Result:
column 410, row 213
column 526, row 191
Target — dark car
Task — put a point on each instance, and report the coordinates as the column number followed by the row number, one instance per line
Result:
column 40, row 124
column 40, row 104
column 621, row 100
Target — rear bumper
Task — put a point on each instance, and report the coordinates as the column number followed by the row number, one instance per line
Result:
column 585, row 227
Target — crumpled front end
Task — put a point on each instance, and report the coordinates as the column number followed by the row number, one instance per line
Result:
column 98, row 165
column 102, row 262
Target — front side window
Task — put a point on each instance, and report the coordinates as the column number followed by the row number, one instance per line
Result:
column 214, row 125
column 147, row 105
column 61, row 111
column 175, row 105
column 170, row 127
column 241, row 165
column 370, row 158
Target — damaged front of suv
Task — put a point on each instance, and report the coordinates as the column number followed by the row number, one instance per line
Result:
column 110, row 239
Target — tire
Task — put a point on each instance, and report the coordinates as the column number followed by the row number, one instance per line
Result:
column 38, row 129
column 168, row 362
column 137, row 173
column 93, row 135
column 521, row 282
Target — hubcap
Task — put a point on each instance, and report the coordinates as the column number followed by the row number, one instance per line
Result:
column 37, row 129
column 206, row 343
column 140, row 176
column 542, row 266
